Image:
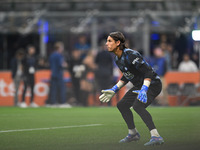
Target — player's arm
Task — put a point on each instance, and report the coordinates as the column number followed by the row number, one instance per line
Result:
column 109, row 93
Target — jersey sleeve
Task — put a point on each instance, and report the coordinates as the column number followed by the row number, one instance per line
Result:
column 123, row 78
column 147, row 70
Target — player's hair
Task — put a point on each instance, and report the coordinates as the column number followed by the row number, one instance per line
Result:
column 30, row 46
column 118, row 36
column 58, row 45
column 20, row 52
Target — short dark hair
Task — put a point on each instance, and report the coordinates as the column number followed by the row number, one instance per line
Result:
column 20, row 52
column 118, row 36
column 58, row 44
column 30, row 46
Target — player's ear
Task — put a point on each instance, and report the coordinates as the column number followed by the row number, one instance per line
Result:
column 118, row 42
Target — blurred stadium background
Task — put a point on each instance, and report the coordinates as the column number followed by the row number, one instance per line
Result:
column 146, row 24
column 143, row 22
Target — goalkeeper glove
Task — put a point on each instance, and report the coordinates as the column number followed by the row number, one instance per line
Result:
column 142, row 94
column 108, row 94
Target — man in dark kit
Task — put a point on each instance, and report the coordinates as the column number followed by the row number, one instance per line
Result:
column 29, row 68
column 17, row 72
column 147, row 86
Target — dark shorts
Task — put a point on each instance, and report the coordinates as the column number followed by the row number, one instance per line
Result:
column 130, row 98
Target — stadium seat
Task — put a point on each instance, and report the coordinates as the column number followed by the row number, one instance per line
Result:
column 190, row 91
column 173, row 89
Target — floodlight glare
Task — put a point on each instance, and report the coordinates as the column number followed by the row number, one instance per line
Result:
column 196, row 35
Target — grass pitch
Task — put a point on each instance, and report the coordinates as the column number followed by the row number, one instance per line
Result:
column 61, row 129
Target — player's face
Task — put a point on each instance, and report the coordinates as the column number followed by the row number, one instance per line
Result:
column 31, row 50
column 112, row 44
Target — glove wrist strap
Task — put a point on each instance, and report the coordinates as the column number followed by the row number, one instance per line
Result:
column 118, row 86
column 115, row 88
column 144, row 87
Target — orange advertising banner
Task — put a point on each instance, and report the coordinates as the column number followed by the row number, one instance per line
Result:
column 41, row 89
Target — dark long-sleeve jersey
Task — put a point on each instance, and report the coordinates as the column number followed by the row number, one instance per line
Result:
column 29, row 66
column 134, row 68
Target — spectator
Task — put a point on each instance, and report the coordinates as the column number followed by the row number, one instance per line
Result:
column 158, row 61
column 79, row 69
column 82, row 45
column 41, row 63
column 29, row 68
column 195, row 58
column 187, row 65
column 76, row 69
column 167, row 49
column 86, row 84
column 159, row 64
column 57, row 84
column 104, row 70
column 17, row 72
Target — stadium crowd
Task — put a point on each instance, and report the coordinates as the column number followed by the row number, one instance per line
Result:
column 82, row 60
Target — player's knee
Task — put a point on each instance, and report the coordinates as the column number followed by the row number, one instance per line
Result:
column 122, row 106
column 135, row 108
column 138, row 108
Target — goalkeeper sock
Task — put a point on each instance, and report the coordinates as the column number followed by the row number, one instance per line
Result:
column 132, row 131
column 154, row 132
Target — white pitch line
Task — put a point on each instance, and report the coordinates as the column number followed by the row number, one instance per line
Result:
column 52, row 128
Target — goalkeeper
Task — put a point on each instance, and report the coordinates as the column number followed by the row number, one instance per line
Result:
column 147, row 86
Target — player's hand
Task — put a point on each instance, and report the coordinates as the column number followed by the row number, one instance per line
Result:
column 142, row 94
column 106, row 96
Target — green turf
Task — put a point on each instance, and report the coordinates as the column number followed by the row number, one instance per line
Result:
column 179, row 126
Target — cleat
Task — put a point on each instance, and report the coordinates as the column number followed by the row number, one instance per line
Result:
column 130, row 138
column 65, row 106
column 155, row 141
column 34, row 105
column 23, row 105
